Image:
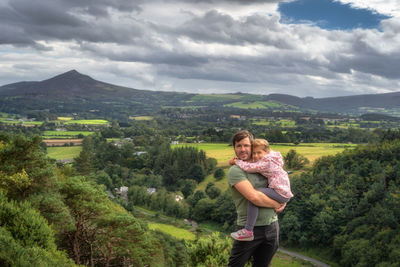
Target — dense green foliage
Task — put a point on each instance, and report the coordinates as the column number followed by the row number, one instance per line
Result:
column 44, row 210
column 349, row 202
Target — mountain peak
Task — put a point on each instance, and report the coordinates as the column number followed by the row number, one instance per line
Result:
column 72, row 74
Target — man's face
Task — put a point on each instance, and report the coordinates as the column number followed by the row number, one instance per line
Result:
column 243, row 149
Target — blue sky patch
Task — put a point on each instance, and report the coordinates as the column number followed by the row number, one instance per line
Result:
column 329, row 14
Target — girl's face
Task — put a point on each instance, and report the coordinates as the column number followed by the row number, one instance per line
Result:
column 258, row 153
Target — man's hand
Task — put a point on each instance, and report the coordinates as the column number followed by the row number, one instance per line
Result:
column 281, row 208
column 232, row 161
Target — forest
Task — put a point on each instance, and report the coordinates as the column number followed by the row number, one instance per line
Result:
column 55, row 214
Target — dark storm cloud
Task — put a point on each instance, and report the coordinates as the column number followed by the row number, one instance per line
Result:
column 244, row 2
column 83, row 20
column 217, row 27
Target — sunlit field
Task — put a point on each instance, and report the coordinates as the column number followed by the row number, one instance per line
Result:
column 173, row 230
column 63, row 152
column 65, row 134
column 95, row 122
column 223, row 151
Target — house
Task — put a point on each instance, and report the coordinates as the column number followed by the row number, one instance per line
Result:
column 178, row 198
column 151, row 190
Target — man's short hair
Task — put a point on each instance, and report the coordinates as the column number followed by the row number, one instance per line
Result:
column 242, row 134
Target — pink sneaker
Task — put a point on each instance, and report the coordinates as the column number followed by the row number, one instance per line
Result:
column 243, row 235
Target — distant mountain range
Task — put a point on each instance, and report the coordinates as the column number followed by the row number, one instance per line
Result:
column 73, row 91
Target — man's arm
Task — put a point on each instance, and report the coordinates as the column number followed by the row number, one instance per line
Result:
column 256, row 197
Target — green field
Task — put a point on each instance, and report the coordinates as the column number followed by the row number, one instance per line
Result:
column 4, row 120
column 281, row 123
column 283, row 260
column 63, row 152
column 215, row 97
column 64, row 118
column 92, row 122
column 173, row 230
column 254, row 105
column 65, row 134
column 141, row 118
column 224, row 152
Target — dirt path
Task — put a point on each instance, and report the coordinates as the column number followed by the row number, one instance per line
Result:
column 302, row 257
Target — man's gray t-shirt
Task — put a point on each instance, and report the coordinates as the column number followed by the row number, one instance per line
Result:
column 266, row 216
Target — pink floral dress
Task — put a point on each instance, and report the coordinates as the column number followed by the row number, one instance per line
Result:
column 271, row 167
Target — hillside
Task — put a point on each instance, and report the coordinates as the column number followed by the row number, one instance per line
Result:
column 76, row 92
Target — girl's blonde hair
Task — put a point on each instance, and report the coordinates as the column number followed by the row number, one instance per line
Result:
column 261, row 143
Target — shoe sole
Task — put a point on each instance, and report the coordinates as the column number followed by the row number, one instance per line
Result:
column 243, row 239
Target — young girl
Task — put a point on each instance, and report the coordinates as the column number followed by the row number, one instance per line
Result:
column 269, row 164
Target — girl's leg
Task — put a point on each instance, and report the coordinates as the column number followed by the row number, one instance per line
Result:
column 252, row 214
column 252, row 210
column 271, row 193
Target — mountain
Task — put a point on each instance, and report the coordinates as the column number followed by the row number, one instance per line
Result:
column 76, row 92
column 73, row 92
column 343, row 104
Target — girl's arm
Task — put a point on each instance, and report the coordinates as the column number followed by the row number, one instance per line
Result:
column 252, row 167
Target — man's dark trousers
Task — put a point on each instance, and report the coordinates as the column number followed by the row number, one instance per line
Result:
column 262, row 248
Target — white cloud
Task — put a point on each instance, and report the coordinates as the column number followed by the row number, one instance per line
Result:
column 199, row 46
column 386, row 7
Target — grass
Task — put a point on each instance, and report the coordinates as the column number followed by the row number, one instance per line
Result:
column 220, row 151
column 4, row 120
column 223, row 152
column 254, row 105
column 141, row 118
column 65, row 134
column 173, row 230
column 169, row 226
column 93, row 122
column 221, row 184
column 283, row 260
column 64, row 118
column 281, row 123
column 63, row 152
column 216, row 97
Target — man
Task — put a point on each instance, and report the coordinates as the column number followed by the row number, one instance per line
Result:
column 243, row 187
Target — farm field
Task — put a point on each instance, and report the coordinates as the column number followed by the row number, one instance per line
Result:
column 92, row 122
column 215, row 97
column 65, row 134
column 141, row 118
column 223, row 152
column 64, row 118
column 28, row 123
column 254, row 105
column 282, row 123
column 63, row 152
column 173, row 230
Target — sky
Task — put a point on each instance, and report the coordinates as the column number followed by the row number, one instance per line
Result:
column 318, row 48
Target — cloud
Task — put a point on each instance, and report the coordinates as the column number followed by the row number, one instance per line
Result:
column 205, row 45
column 386, row 7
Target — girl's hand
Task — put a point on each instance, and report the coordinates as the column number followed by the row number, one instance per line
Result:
column 281, row 208
column 232, row 161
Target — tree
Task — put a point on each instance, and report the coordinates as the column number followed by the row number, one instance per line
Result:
column 294, row 160
column 197, row 173
column 219, row 174
column 187, row 187
column 25, row 237
column 212, row 191
column 209, row 251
